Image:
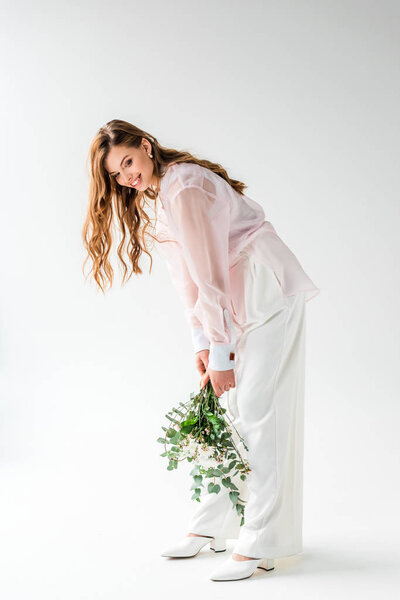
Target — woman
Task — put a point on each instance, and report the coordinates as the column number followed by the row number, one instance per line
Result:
column 244, row 294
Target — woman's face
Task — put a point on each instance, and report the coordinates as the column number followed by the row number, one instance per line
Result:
column 126, row 164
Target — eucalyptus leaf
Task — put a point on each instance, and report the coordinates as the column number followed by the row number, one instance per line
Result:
column 172, row 419
column 179, row 412
column 233, row 496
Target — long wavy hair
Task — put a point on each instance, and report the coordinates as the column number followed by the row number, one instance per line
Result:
column 110, row 202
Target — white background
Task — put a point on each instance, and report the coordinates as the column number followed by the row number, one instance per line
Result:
column 300, row 101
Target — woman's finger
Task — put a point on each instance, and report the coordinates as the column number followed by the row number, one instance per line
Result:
column 204, row 380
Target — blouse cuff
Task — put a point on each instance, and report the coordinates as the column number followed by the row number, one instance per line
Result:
column 199, row 339
column 221, row 357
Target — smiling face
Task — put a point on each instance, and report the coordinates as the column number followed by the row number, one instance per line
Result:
column 125, row 164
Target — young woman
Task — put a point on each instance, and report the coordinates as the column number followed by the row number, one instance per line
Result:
column 244, row 294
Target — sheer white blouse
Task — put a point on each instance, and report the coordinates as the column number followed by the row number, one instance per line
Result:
column 201, row 227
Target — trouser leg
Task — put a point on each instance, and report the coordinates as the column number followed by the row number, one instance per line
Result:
column 270, row 403
column 268, row 408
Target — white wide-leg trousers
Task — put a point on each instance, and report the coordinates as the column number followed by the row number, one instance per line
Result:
column 267, row 408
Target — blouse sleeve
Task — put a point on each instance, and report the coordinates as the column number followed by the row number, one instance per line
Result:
column 187, row 290
column 201, row 223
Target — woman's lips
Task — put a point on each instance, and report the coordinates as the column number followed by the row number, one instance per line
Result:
column 139, row 179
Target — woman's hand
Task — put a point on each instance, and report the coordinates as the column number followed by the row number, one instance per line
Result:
column 202, row 365
column 221, row 381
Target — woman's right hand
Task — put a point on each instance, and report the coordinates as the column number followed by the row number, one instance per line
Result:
column 202, row 365
column 220, row 380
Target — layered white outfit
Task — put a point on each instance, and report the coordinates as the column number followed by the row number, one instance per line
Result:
column 244, row 294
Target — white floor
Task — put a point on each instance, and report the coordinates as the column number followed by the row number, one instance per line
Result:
column 87, row 505
column 80, row 525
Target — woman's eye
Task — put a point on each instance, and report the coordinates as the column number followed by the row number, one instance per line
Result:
column 127, row 164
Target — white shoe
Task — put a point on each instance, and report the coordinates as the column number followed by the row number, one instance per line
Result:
column 192, row 544
column 240, row 569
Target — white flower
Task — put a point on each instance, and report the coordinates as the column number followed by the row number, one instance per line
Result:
column 206, row 457
column 200, row 453
column 189, row 448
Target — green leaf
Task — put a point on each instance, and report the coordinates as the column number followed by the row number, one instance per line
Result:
column 218, row 473
column 172, row 419
column 164, row 454
column 188, row 424
column 197, row 491
column 186, row 429
column 161, row 440
column 233, row 496
column 213, row 489
column 175, row 440
column 197, row 481
column 190, row 421
column 213, row 418
column 214, row 472
column 179, row 412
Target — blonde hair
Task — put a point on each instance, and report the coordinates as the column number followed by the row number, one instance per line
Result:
column 107, row 198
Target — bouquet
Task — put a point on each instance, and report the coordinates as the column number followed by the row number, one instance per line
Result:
column 199, row 432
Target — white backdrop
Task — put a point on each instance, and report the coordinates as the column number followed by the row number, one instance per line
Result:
column 300, row 101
